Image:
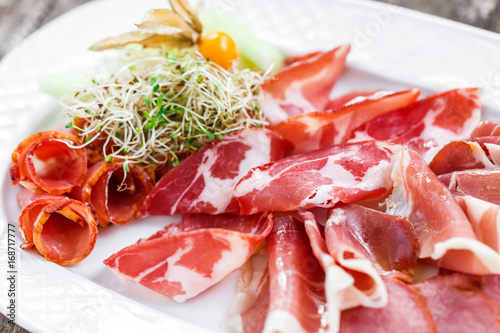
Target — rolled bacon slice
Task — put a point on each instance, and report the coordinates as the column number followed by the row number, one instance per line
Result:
column 345, row 287
column 444, row 232
column 180, row 265
column 115, row 196
column 63, row 230
column 458, row 305
column 343, row 173
column 45, row 162
column 316, row 130
column 354, row 233
column 406, row 311
column 297, row 300
column 204, row 182
column 427, row 125
column 302, row 86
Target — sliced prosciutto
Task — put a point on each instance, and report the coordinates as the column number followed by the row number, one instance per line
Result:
column 297, row 295
column 302, row 86
column 345, row 287
column 460, row 155
column 317, row 130
column 352, row 98
column 204, row 182
column 486, row 128
column 444, row 232
column 427, row 125
column 46, row 162
column 180, row 265
column 61, row 229
column 458, row 305
column 483, row 184
column 251, row 304
column 406, row 311
column 491, row 287
column 343, row 173
column 354, row 232
column 484, row 218
column 113, row 194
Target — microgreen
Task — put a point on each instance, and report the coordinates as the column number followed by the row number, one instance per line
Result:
column 167, row 108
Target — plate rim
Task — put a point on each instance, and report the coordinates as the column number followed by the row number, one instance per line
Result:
column 23, row 320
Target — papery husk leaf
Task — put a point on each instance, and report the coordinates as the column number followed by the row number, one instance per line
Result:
column 166, row 22
column 187, row 13
column 146, row 39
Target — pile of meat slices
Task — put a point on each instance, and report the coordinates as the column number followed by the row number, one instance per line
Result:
column 327, row 212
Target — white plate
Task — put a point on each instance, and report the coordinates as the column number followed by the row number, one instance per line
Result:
column 393, row 48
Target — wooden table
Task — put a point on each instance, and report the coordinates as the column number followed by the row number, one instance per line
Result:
column 19, row 18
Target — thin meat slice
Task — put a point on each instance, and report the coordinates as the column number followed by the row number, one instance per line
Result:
column 61, row 229
column 353, row 233
column 345, row 288
column 460, row 155
column 204, row 182
column 427, row 125
column 354, row 97
column 406, row 311
column 45, row 162
column 343, row 173
column 484, row 218
column 182, row 265
column 113, row 194
column 483, row 184
column 444, row 232
column 251, row 304
column 486, row 128
column 297, row 300
column 457, row 304
column 491, row 287
column 317, row 130
column 302, row 86
column 290, row 60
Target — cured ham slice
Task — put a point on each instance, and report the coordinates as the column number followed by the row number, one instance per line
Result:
column 353, row 233
column 300, row 57
column 251, row 304
column 354, row 97
column 457, row 304
column 491, row 287
column 406, row 311
column 345, row 288
column 317, row 130
column 460, row 155
column 444, row 233
column 182, row 265
column 343, row 173
column 483, row 184
column 115, row 196
column 45, row 162
column 63, row 230
column 297, row 300
column 486, row 128
column 302, row 86
column 427, row 125
column 204, row 182
column 484, row 218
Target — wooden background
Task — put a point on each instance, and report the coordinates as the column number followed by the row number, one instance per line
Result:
column 19, row 18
